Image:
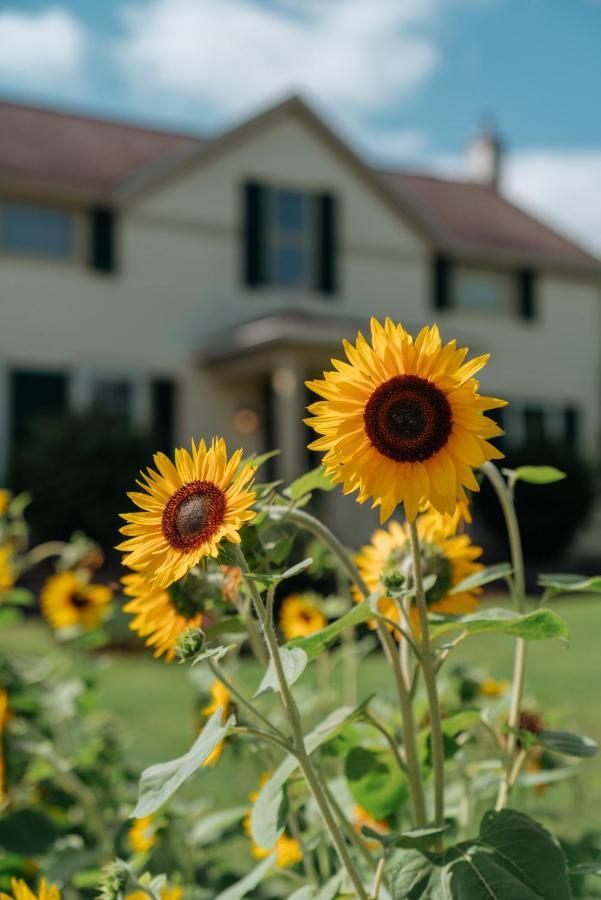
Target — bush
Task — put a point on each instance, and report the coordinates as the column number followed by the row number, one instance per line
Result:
column 550, row 515
column 78, row 469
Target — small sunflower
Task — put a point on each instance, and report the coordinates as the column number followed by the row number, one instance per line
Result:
column 288, row 851
column 22, row 891
column 402, row 420
column 67, row 600
column 166, row 893
column 451, row 558
column 300, row 617
column 163, row 614
column 7, row 571
column 188, row 509
column 490, row 687
column 220, row 699
column 142, row 836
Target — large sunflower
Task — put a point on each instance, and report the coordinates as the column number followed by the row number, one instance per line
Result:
column 187, row 510
column 67, row 600
column 162, row 614
column 402, row 420
column 451, row 558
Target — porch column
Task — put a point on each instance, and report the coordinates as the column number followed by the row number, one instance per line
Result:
column 287, row 381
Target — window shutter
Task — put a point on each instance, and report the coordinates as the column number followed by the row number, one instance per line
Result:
column 441, row 283
column 571, row 426
column 102, row 239
column 326, row 249
column 163, row 396
column 527, row 294
column 254, row 225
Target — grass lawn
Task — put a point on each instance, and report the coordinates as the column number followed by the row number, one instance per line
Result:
column 154, row 703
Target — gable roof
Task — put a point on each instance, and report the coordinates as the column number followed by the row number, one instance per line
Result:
column 105, row 160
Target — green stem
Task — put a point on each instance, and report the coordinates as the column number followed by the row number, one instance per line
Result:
column 505, row 496
column 322, row 533
column 375, row 891
column 293, row 714
column 214, row 667
column 429, row 678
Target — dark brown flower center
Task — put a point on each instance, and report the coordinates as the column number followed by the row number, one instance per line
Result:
column 79, row 601
column 408, row 419
column 193, row 515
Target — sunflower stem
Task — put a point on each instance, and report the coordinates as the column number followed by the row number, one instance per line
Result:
column 505, row 497
column 427, row 665
column 294, row 718
column 216, row 670
column 322, row 533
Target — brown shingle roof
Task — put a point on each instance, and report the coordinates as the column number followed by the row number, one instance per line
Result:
column 474, row 218
column 45, row 145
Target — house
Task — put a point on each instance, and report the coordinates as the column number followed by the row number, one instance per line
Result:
column 194, row 285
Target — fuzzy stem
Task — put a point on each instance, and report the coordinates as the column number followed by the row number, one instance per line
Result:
column 505, row 496
column 322, row 533
column 429, row 678
column 294, row 718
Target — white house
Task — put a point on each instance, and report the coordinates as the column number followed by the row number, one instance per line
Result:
column 194, row 285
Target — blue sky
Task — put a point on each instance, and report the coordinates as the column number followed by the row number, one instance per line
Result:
column 406, row 81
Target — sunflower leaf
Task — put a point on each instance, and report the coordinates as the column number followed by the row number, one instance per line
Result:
column 535, row 474
column 566, row 584
column 265, row 822
column 567, row 743
column 315, row 480
column 490, row 573
column 294, row 663
column 538, row 625
column 315, row 644
column 243, row 887
column 263, row 579
column 162, row 780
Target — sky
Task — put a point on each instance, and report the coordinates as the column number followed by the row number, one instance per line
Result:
column 406, row 82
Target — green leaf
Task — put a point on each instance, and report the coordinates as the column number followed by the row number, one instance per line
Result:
column 304, row 893
column 375, row 781
column 590, row 868
column 536, row 474
column 275, row 578
column 243, row 887
column 18, row 597
column 538, row 625
column 315, row 480
column 331, row 889
column 27, row 832
column 9, row 616
column 160, row 781
column 451, row 727
column 568, row 744
column 210, row 827
column 316, row 643
column 212, row 653
column 567, row 584
column 265, row 816
column 294, row 663
column 490, row 573
column 418, row 838
column 257, row 461
column 513, row 858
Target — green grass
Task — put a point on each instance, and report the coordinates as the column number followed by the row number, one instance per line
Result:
column 154, row 703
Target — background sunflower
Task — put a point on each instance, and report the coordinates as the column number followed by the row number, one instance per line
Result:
column 67, row 600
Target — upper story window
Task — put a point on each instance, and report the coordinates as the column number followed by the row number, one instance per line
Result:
column 475, row 289
column 478, row 290
column 289, row 238
column 111, row 396
column 37, row 231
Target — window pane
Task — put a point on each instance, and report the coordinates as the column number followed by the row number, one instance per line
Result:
column 111, row 397
column 36, row 230
column 289, row 212
column 479, row 291
column 289, row 266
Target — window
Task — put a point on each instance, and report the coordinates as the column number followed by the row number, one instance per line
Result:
column 111, row 396
column 289, row 238
column 37, row 230
column 534, row 422
column 476, row 290
column 290, row 243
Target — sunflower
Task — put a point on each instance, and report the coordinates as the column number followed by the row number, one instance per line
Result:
column 165, row 893
column 67, row 600
column 163, row 614
column 288, row 851
column 300, row 617
column 187, row 510
column 451, row 558
column 220, row 699
column 22, row 891
column 141, row 836
column 7, row 572
column 402, row 420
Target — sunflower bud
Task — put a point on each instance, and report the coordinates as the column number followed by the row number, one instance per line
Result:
column 189, row 644
column 394, row 581
column 114, row 879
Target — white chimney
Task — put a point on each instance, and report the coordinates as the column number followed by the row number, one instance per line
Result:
column 484, row 157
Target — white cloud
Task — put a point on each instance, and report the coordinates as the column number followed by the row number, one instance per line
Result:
column 40, row 47
column 231, row 56
column 561, row 186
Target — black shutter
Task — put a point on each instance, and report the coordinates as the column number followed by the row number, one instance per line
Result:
column 102, row 239
column 527, row 294
column 441, row 283
column 35, row 395
column 254, row 225
column 326, row 246
column 163, row 414
column 571, row 426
